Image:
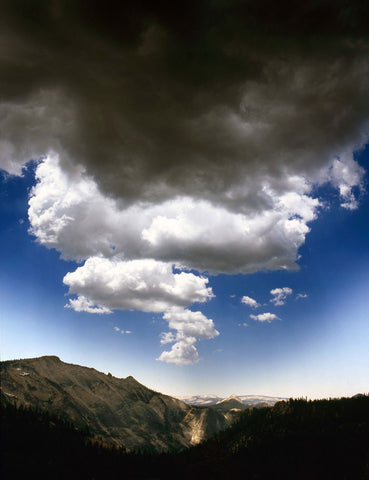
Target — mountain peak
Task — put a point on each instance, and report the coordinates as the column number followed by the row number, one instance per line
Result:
column 53, row 358
column 132, row 381
column 232, row 397
column 120, row 412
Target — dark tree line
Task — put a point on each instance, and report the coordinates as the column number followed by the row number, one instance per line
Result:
column 298, row 439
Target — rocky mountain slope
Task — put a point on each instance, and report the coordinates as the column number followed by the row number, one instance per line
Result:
column 117, row 411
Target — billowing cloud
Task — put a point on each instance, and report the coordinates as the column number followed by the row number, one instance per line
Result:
column 264, row 317
column 280, row 295
column 250, row 302
column 189, row 326
column 192, row 138
column 69, row 213
column 145, row 285
column 104, row 284
column 183, row 352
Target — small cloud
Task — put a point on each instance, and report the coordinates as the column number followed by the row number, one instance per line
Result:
column 250, row 302
column 219, row 350
column 351, row 204
column 117, row 329
column 301, row 295
column 265, row 317
column 167, row 337
column 21, row 221
column 346, row 175
column 280, row 295
column 83, row 304
column 245, row 324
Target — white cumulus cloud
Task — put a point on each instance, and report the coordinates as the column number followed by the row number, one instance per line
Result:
column 149, row 286
column 280, row 295
column 189, row 327
column 69, row 213
column 182, row 352
column 264, row 317
column 250, row 302
column 190, row 324
column 146, row 285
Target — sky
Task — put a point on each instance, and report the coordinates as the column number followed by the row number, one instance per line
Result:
column 184, row 192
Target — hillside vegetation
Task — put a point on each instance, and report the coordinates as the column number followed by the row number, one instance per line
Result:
column 298, row 439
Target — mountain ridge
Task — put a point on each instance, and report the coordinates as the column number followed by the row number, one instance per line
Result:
column 232, row 397
column 118, row 411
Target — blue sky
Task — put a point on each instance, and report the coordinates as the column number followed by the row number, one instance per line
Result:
column 184, row 192
column 318, row 347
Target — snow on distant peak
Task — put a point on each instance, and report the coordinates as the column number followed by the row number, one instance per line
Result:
column 232, row 397
column 207, row 400
column 201, row 400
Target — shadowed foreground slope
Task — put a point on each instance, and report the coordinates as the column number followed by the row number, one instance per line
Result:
column 295, row 440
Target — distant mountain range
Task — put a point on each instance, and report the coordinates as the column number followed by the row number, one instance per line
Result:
column 119, row 412
column 248, row 400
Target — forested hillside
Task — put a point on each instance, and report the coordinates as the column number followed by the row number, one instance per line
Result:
column 298, row 439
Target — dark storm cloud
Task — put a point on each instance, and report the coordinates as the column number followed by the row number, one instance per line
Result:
column 157, row 99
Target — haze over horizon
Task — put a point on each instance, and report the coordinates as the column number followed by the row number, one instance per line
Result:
column 184, row 192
